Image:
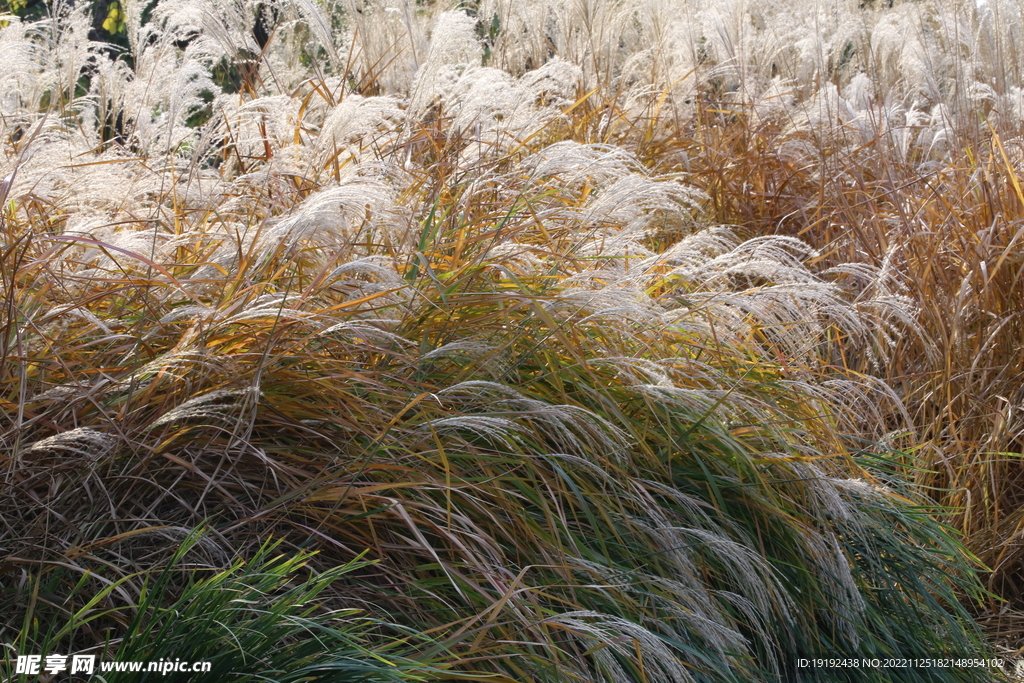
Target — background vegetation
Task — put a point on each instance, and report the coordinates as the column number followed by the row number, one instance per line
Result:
column 546, row 341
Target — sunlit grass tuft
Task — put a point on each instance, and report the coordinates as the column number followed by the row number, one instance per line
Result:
column 254, row 619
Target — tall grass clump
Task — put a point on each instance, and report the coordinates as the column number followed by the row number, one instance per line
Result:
column 899, row 148
column 478, row 295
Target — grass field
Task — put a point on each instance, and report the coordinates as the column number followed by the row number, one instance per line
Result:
column 536, row 341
